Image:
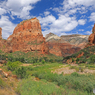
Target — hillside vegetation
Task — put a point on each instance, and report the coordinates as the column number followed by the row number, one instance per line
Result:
column 31, row 74
column 88, row 56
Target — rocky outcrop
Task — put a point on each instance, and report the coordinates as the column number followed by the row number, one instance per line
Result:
column 3, row 74
column 27, row 36
column 5, row 46
column 62, row 49
column 0, row 33
column 91, row 38
column 52, row 37
column 66, row 45
column 80, row 55
column 76, row 39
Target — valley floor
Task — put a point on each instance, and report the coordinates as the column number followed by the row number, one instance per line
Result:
column 47, row 79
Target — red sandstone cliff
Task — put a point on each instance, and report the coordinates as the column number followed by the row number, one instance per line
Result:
column 27, row 36
column 0, row 33
column 62, row 49
column 91, row 38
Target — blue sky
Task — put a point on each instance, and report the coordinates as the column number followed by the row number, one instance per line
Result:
column 61, row 17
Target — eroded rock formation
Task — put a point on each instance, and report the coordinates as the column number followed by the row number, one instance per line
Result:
column 65, row 45
column 27, row 36
column 91, row 38
column 0, row 33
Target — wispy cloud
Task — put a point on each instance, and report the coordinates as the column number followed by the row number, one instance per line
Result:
column 92, row 17
column 7, row 26
column 19, row 8
column 81, row 21
column 59, row 20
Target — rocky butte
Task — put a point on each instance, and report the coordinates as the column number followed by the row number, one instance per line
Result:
column 27, row 36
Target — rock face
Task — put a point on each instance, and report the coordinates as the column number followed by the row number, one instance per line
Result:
column 0, row 33
column 65, row 45
column 80, row 55
column 76, row 39
column 91, row 38
column 27, row 36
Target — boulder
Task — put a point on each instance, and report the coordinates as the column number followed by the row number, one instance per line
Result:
column 4, row 74
column 80, row 55
column 2, row 61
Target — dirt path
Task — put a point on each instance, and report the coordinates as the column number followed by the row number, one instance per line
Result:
column 66, row 70
column 26, row 64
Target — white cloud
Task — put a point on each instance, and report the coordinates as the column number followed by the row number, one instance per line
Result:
column 19, row 8
column 81, row 21
column 88, row 32
column 92, row 17
column 71, row 7
column 46, row 13
column 74, row 3
column 45, row 21
column 2, row 11
column 7, row 26
column 81, row 29
column 58, row 26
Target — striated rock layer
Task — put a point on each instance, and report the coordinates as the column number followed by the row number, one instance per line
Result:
column 66, row 45
column 27, row 36
column 62, row 49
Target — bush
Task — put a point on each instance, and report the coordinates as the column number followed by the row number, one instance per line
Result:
column 72, row 60
column 77, row 59
column 21, row 72
column 13, row 65
column 28, row 87
column 75, row 74
column 51, row 60
column 43, row 61
column 74, row 81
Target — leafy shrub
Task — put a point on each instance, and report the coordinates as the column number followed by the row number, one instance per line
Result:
column 43, row 61
column 72, row 60
column 51, row 60
column 77, row 59
column 75, row 80
column 28, row 87
column 21, row 72
column 13, row 65
column 75, row 74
